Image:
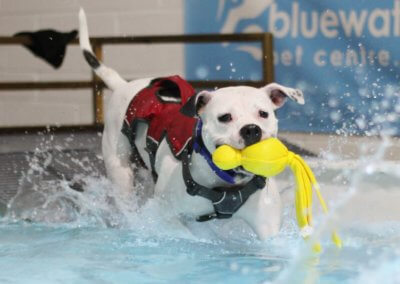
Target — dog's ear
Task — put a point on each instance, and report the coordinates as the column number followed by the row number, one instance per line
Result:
column 278, row 94
column 196, row 103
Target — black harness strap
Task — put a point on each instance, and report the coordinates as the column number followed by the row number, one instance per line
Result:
column 129, row 132
column 226, row 200
column 151, row 148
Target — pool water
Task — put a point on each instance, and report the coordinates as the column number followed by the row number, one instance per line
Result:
column 54, row 234
column 52, row 254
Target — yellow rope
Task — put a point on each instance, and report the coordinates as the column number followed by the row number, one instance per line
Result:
column 269, row 158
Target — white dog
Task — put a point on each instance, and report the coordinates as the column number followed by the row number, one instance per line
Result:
column 162, row 125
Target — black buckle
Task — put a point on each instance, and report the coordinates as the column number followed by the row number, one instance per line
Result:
column 206, row 217
column 213, row 215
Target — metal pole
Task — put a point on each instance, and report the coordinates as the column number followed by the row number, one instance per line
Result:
column 98, row 89
column 268, row 58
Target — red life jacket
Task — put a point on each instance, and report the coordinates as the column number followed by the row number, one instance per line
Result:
column 159, row 105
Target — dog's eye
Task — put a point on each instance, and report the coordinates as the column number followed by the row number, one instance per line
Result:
column 225, row 117
column 263, row 114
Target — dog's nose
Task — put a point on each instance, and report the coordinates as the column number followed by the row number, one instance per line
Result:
column 251, row 134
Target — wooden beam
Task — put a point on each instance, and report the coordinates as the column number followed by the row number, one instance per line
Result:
column 97, row 89
column 49, row 129
column 60, row 85
column 5, row 40
column 196, row 38
column 199, row 38
column 45, row 85
column 268, row 58
column 97, row 86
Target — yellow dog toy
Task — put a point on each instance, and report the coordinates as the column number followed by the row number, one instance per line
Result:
column 269, row 158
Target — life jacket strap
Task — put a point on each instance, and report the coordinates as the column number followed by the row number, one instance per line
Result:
column 226, row 200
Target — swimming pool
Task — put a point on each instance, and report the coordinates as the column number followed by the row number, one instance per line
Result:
column 55, row 234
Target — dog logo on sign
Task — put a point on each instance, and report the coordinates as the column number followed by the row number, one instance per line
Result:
column 247, row 10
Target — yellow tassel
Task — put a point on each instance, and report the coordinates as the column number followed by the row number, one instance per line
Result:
column 269, row 158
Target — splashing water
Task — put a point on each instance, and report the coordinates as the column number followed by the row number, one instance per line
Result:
column 53, row 232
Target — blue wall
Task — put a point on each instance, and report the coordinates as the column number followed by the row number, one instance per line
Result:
column 343, row 54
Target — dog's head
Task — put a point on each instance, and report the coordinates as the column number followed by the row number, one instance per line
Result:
column 239, row 116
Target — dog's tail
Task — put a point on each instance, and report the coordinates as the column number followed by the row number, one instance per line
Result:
column 110, row 77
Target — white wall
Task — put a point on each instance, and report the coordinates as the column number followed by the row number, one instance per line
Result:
column 105, row 18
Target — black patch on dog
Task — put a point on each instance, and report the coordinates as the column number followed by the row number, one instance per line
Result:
column 189, row 109
column 91, row 59
column 194, row 104
column 201, row 102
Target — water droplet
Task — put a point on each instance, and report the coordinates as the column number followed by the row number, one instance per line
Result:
column 335, row 116
column 202, row 72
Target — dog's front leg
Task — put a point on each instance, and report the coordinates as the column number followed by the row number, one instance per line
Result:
column 263, row 211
